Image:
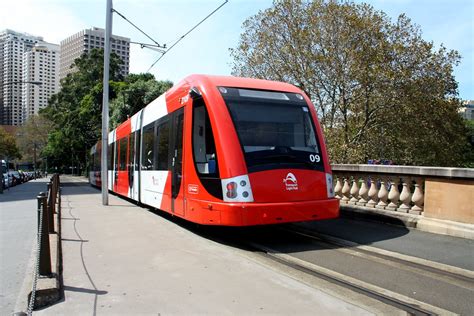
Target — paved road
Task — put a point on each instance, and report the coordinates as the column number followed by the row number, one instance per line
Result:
column 17, row 235
column 453, row 251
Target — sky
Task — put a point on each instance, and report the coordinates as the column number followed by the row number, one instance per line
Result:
column 206, row 49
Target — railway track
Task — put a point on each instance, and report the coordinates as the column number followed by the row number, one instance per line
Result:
column 299, row 250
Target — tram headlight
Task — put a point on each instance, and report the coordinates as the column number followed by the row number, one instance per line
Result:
column 231, row 190
column 237, row 189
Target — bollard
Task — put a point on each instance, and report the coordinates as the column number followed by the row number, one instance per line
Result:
column 53, row 194
column 59, row 201
column 50, row 209
column 44, row 251
column 56, row 190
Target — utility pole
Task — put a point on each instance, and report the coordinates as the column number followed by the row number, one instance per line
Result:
column 105, row 104
column 34, row 158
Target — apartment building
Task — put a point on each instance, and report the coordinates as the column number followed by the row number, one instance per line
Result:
column 467, row 109
column 40, row 77
column 12, row 47
column 86, row 40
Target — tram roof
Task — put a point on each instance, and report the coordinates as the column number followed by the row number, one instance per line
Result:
column 237, row 82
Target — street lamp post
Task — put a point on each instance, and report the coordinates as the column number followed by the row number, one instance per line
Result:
column 105, row 104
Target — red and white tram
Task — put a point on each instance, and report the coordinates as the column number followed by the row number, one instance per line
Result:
column 224, row 151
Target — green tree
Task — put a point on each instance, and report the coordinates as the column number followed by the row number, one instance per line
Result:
column 76, row 110
column 8, row 147
column 380, row 90
column 133, row 94
column 469, row 152
column 32, row 138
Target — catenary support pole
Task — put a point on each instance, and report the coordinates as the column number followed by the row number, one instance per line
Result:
column 105, row 104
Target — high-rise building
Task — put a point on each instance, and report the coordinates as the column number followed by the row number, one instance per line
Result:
column 40, row 65
column 12, row 46
column 467, row 109
column 84, row 41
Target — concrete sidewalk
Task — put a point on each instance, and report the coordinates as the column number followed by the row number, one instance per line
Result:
column 125, row 260
column 18, row 220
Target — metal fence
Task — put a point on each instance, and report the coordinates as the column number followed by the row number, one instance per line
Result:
column 49, row 208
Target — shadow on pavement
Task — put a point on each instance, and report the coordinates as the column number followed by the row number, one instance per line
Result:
column 25, row 191
column 280, row 237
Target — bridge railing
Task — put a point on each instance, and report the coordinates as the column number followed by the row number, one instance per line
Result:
column 441, row 193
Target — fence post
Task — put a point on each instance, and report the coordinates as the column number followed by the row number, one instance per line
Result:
column 43, row 236
column 50, row 208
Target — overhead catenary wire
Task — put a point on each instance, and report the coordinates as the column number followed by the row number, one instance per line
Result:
column 157, row 48
column 141, row 31
column 184, row 35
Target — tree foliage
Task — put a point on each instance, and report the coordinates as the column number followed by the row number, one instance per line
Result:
column 76, row 110
column 380, row 90
column 8, row 147
column 133, row 94
column 33, row 136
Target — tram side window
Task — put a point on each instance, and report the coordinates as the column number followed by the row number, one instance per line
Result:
column 96, row 163
column 110, row 158
column 163, row 145
column 123, row 153
column 147, row 148
column 137, row 149
column 204, row 147
column 132, row 151
column 115, row 154
column 97, row 167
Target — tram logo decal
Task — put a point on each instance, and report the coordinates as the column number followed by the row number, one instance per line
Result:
column 290, row 182
column 193, row 188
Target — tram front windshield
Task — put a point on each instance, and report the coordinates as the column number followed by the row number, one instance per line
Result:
column 275, row 129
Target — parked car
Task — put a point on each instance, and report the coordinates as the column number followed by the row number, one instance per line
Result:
column 6, row 180
column 15, row 177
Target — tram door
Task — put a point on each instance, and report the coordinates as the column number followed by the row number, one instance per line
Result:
column 176, row 154
column 121, row 175
column 132, row 166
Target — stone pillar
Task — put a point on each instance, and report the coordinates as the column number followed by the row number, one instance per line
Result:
column 345, row 190
column 383, row 194
column 338, row 188
column 364, row 192
column 418, row 198
column 394, row 194
column 405, row 196
column 354, row 191
column 373, row 193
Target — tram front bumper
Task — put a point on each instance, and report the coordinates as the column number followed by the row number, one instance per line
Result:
column 250, row 214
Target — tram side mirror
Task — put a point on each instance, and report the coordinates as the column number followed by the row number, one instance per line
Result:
column 194, row 93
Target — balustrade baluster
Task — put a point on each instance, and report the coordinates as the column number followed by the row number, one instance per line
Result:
column 364, row 192
column 418, row 198
column 405, row 196
column 338, row 188
column 345, row 190
column 394, row 194
column 354, row 191
column 383, row 194
column 373, row 193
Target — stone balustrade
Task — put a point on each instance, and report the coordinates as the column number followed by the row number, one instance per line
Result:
column 443, row 193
